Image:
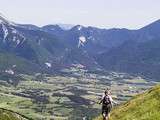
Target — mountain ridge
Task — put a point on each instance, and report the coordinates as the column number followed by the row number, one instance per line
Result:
column 78, row 45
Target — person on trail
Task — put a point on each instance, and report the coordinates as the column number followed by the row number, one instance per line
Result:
column 107, row 104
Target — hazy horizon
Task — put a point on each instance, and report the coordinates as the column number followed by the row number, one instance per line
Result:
column 103, row 13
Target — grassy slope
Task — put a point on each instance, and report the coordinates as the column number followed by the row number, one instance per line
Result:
column 145, row 106
column 9, row 115
column 22, row 65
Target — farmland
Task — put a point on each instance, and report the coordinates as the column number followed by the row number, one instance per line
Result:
column 71, row 94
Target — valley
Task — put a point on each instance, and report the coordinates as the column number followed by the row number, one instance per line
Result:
column 70, row 94
column 52, row 73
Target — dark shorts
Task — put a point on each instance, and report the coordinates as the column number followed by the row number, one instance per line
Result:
column 106, row 109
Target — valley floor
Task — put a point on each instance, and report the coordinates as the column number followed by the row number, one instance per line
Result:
column 73, row 94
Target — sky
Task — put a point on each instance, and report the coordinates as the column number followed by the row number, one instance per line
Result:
column 131, row 14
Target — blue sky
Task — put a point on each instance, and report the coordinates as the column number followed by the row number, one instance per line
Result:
column 131, row 14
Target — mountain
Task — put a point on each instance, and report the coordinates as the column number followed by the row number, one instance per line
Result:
column 149, row 32
column 139, row 56
column 10, row 115
column 14, row 47
column 122, row 50
column 37, row 46
column 65, row 26
column 28, row 44
column 51, row 48
column 144, row 106
column 28, row 26
column 90, row 38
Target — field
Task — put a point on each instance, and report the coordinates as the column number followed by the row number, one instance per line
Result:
column 71, row 94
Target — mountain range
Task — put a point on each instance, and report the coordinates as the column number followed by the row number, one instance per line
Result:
column 26, row 48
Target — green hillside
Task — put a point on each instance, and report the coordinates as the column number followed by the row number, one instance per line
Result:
column 9, row 115
column 7, row 61
column 145, row 106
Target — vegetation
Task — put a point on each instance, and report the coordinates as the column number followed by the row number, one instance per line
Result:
column 73, row 94
column 145, row 106
column 18, row 64
column 10, row 115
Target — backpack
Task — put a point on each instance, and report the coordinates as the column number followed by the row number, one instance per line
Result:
column 106, row 100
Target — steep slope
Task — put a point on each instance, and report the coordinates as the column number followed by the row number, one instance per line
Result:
column 41, row 46
column 145, row 106
column 17, row 64
column 94, row 38
column 139, row 56
column 51, row 47
column 134, row 57
column 29, row 45
column 84, row 43
column 10, row 115
column 15, row 50
column 149, row 32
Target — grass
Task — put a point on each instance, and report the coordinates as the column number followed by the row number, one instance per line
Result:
column 22, row 65
column 144, row 106
column 65, row 96
column 10, row 115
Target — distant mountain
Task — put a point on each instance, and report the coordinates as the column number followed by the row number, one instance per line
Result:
column 93, row 38
column 28, row 26
column 65, row 26
column 32, row 46
column 139, row 56
column 51, row 48
column 149, row 32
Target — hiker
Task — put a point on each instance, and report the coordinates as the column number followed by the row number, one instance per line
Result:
column 107, row 103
